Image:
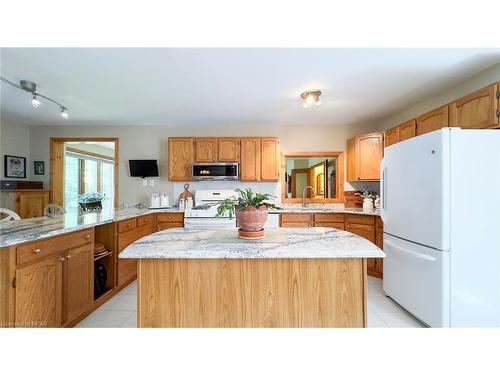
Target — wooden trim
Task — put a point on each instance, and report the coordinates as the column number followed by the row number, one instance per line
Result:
column 55, row 140
column 339, row 155
column 87, row 153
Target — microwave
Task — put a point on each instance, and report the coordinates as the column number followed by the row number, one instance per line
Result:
column 215, row 171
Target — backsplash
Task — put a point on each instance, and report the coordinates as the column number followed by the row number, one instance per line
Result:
column 272, row 188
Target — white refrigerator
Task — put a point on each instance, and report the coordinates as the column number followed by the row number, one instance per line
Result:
column 440, row 204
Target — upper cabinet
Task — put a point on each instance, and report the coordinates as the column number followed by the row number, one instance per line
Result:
column 270, row 159
column 407, row 130
column 364, row 154
column 478, row 110
column 205, row 150
column 259, row 157
column 250, row 159
column 392, row 136
column 180, row 158
column 229, row 149
column 433, row 120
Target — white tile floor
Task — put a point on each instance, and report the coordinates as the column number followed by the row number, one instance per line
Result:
column 121, row 310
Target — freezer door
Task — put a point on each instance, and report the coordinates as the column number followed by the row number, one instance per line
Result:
column 417, row 277
column 415, row 189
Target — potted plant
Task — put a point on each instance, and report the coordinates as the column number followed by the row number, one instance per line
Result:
column 91, row 201
column 251, row 211
column 367, row 199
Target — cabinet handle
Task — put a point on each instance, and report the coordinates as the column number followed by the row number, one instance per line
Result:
column 68, row 256
column 37, row 251
column 62, row 259
column 87, row 237
column 128, row 225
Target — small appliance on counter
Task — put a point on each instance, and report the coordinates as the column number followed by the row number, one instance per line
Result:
column 159, row 201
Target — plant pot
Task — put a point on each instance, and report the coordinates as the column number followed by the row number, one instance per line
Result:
column 367, row 205
column 91, row 206
column 252, row 219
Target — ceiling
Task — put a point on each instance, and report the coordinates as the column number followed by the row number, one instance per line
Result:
column 229, row 87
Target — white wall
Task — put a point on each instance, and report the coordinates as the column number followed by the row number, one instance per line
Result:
column 15, row 140
column 474, row 83
column 137, row 142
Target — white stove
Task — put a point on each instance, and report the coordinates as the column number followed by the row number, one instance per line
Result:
column 202, row 216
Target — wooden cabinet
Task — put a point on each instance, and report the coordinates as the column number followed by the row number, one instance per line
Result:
column 78, row 281
column 329, row 220
column 38, row 293
column 250, row 159
column 205, row 150
column 167, row 220
column 26, row 202
column 401, row 132
column 375, row 266
column 362, row 225
column 433, row 120
column 392, row 136
column 180, row 158
column 228, row 149
column 296, row 220
column 478, row 110
column 270, row 159
column 364, row 154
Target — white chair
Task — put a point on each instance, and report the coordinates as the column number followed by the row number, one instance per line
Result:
column 10, row 215
column 53, row 209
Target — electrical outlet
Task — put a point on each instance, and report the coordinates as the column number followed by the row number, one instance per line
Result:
column 144, row 182
column 152, row 182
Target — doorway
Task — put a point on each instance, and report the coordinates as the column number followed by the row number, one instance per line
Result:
column 83, row 167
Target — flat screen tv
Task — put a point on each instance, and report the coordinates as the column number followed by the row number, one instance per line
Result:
column 143, row 168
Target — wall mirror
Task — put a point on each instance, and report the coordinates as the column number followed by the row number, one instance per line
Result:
column 317, row 176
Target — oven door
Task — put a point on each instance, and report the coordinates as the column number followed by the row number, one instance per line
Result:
column 209, row 223
column 215, row 171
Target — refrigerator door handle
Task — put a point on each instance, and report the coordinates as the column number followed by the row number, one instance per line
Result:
column 410, row 252
column 383, row 184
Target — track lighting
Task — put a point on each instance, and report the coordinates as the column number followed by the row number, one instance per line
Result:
column 30, row 88
column 34, row 101
column 64, row 114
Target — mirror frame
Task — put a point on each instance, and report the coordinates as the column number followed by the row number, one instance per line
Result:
column 315, row 154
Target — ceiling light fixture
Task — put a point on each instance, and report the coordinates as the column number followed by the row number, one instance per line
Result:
column 310, row 97
column 30, row 88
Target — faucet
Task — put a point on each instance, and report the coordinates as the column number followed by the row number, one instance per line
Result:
column 304, row 199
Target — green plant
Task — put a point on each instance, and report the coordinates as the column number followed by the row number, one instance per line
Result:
column 91, row 197
column 245, row 199
column 365, row 194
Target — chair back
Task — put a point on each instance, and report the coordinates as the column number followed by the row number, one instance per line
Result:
column 9, row 215
column 53, row 209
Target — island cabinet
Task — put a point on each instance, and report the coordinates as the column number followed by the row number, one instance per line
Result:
column 478, row 110
column 51, row 280
column 433, row 120
column 364, row 154
column 26, row 202
column 180, row 158
column 228, row 149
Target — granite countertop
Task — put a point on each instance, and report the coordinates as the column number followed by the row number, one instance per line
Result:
column 16, row 232
column 301, row 243
column 325, row 208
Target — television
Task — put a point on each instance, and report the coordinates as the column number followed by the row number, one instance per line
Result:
column 143, row 168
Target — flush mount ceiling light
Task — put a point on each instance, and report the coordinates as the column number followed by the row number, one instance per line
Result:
column 30, row 88
column 310, row 97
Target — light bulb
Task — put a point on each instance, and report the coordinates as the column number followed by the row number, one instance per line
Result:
column 34, row 101
column 318, row 101
column 64, row 114
column 310, row 99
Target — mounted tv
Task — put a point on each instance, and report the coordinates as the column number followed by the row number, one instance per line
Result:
column 143, row 168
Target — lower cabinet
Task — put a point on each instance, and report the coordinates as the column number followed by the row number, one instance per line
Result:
column 367, row 226
column 26, row 203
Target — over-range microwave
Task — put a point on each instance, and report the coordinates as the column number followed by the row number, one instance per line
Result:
column 215, row 171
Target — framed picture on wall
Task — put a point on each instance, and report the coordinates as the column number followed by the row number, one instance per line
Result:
column 39, row 167
column 14, row 166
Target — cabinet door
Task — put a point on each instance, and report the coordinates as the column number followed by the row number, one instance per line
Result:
column 366, row 231
column 351, row 160
column 392, row 136
column 78, row 281
column 407, row 130
column 375, row 265
column 31, row 204
column 477, row 110
column 39, row 293
column 369, row 155
column 250, row 159
column 270, row 159
column 229, row 150
column 205, row 150
column 180, row 158
column 432, row 120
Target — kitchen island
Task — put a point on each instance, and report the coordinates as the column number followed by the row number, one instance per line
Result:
column 298, row 277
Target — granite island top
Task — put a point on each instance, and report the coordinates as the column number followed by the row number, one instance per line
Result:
column 300, row 243
column 16, row 232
